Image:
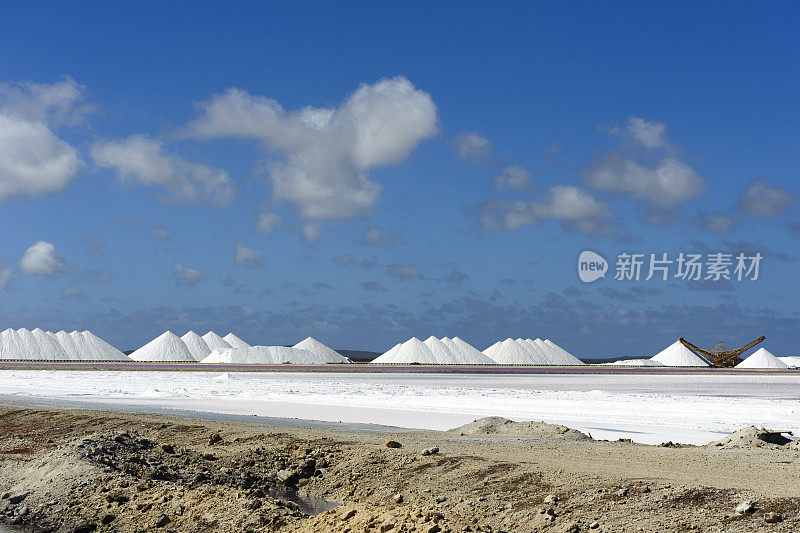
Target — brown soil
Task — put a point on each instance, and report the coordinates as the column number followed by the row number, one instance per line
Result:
column 87, row 471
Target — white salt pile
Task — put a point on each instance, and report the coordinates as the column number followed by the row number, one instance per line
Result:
column 234, row 341
column 530, row 352
column 166, row 347
column 433, row 351
column 325, row 353
column 196, row 345
column 263, row 355
column 634, row 362
column 762, row 358
column 791, row 361
column 215, row 342
column 38, row 345
column 676, row 354
column 92, row 348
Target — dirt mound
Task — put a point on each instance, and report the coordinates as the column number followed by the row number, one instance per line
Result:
column 497, row 425
column 753, row 437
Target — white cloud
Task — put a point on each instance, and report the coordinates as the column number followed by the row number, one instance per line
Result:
column 513, row 177
column 328, row 153
column 42, row 258
column 266, row 223
column 244, row 256
column 471, row 146
column 186, row 276
column 311, row 231
column 145, row 161
column 33, row 160
column 716, row 222
column 570, row 205
column 649, row 134
column 669, row 181
column 160, row 232
column 760, row 199
column 403, row 272
column 5, row 276
column 376, row 237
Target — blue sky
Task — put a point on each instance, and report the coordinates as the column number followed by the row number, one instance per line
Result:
column 365, row 174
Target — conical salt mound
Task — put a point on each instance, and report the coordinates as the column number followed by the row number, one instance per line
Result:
column 323, row 352
column 441, row 353
column 490, row 351
column 49, row 347
column 101, row 350
column 68, row 344
column 28, row 347
column 676, row 354
column 472, row 354
column 196, row 345
column 166, row 347
column 559, row 356
column 511, row 352
column 263, row 355
column 762, row 358
column 235, row 341
column 10, row 347
column 791, row 360
column 215, row 342
column 411, row 351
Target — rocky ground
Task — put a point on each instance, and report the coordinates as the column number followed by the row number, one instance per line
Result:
column 79, row 471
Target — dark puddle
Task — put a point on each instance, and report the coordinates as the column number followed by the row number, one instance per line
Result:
column 306, row 504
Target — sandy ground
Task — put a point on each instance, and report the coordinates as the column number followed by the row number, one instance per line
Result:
column 70, row 470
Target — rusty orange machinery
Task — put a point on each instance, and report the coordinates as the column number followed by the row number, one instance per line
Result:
column 720, row 356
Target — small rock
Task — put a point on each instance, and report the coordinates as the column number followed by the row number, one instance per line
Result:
column 214, row 439
column 14, row 499
column 162, row 521
column 168, row 448
column 441, row 499
column 349, row 514
column 84, row 527
column 622, row 492
column 5, row 496
column 594, row 525
column 209, row 457
column 550, row 498
column 430, row 451
column 746, row 507
column 387, row 526
column 772, row 518
column 433, row 529
column 393, row 444
column 22, row 511
column 398, row 498
column 107, row 518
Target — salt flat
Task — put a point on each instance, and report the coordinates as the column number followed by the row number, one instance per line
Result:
column 645, row 408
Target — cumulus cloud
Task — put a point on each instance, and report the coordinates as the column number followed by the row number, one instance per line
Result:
column 244, row 256
column 186, row 276
column 669, row 181
column 5, row 276
column 649, row 134
column 403, row 272
column 33, row 159
column 761, row 199
column 42, row 258
column 328, row 154
column 93, row 242
column 145, row 160
column 311, row 231
column 660, row 179
column 572, row 206
column 160, row 232
column 471, row 146
column 512, row 177
column 376, row 237
column 372, row 286
column 266, row 223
